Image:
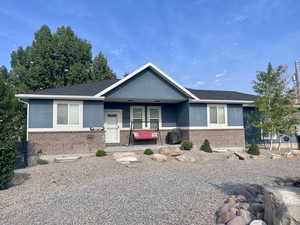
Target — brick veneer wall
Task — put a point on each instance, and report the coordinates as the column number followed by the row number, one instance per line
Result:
column 65, row 142
column 219, row 138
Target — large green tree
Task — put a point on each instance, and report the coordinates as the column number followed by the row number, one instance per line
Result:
column 8, row 133
column 274, row 103
column 55, row 60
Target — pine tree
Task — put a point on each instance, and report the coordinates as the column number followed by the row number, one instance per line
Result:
column 274, row 103
column 100, row 68
column 254, row 149
column 206, row 146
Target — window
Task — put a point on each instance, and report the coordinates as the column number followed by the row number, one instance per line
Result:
column 154, row 113
column 68, row 114
column 217, row 115
column 138, row 117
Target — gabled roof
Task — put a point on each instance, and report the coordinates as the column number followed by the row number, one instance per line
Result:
column 159, row 72
column 96, row 90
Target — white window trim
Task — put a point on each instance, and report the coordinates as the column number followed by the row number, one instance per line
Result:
column 148, row 115
column 67, row 126
column 215, row 124
column 144, row 114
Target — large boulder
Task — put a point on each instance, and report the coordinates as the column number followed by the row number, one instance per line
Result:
column 118, row 155
column 295, row 152
column 159, row 157
column 282, row 205
column 226, row 213
column 258, row 222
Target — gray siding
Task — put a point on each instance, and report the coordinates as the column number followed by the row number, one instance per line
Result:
column 198, row 115
column 93, row 114
column 235, row 115
column 146, row 85
column 40, row 114
column 169, row 115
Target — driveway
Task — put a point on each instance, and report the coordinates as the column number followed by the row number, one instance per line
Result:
column 101, row 191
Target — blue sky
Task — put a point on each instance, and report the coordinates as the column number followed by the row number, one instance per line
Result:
column 204, row 44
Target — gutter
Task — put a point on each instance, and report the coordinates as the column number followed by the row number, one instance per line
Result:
column 71, row 97
column 27, row 117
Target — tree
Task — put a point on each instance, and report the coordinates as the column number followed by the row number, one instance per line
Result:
column 100, row 68
column 4, row 74
column 55, row 60
column 8, row 133
column 206, row 146
column 274, row 103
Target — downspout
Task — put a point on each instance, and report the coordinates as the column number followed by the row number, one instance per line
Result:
column 27, row 117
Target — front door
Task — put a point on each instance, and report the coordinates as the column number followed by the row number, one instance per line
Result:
column 112, row 126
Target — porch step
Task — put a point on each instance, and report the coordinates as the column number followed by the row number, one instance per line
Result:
column 133, row 148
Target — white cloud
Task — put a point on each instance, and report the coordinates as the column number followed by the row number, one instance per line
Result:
column 221, row 74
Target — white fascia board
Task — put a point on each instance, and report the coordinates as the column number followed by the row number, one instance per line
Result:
column 221, row 101
column 69, row 97
column 165, row 76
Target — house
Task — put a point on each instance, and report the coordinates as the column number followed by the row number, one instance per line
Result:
column 90, row 116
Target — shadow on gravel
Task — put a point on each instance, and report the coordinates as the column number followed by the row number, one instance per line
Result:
column 250, row 191
column 19, row 178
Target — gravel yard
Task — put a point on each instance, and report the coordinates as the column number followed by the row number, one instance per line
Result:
column 102, row 191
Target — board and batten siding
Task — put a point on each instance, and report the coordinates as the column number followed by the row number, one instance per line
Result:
column 41, row 114
column 146, row 85
column 198, row 115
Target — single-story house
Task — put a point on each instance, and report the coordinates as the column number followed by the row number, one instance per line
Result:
column 91, row 116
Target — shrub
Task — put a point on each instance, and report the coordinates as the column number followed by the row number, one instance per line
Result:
column 42, row 161
column 7, row 165
column 148, row 151
column 100, row 153
column 254, row 149
column 206, row 146
column 186, row 145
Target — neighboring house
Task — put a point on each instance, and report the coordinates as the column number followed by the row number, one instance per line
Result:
column 90, row 116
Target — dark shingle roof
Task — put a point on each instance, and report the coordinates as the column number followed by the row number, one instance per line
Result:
column 222, row 95
column 86, row 89
column 93, row 88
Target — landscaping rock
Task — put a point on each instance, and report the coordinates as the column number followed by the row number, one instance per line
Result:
column 295, row 152
column 176, row 152
column 238, row 220
column 159, row 157
column 275, row 156
column 127, row 159
column 118, row 155
column 258, row 222
column 257, row 157
column 225, row 214
column 243, row 205
column 241, row 198
column 185, row 158
column 232, row 156
column 242, row 155
column 245, row 214
column 282, row 205
column 170, row 151
column 220, row 150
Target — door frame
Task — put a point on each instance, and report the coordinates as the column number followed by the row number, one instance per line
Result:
column 120, row 122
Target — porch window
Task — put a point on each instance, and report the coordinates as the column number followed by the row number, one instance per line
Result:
column 67, row 114
column 154, row 117
column 138, row 117
column 217, row 115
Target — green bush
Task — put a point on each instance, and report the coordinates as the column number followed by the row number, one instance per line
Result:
column 148, row 151
column 101, row 153
column 206, row 146
column 254, row 149
column 7, row 165
column 186, row 145
column 42, row 161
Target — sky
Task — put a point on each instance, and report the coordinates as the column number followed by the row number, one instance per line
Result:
column 202, row 44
